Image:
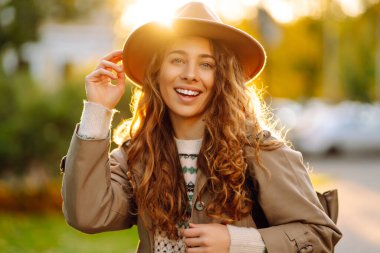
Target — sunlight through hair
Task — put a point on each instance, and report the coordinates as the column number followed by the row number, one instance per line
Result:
column 128, row 127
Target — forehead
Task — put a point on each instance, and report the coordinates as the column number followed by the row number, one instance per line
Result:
column 190, row 44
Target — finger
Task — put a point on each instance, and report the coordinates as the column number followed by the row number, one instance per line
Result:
column 121, row 76
column 191, row 232
column 121, row 80
column 114, row 56
column 102, row 73
column 194, row 225
column 109, row 65
column 194, row 242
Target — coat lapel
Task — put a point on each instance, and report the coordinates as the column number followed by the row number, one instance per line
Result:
column 199, row 183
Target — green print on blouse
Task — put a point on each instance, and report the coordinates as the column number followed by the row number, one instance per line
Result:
column 190, row 170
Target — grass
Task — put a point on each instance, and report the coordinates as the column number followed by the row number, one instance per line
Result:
column 50, row 234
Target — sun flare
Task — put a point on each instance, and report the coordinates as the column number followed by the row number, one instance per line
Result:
column 144, row 11
column 138, row 12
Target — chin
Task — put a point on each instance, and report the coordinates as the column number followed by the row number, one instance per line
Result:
column 187, row 114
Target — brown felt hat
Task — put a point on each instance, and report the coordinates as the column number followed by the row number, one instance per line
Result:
column 193, row 19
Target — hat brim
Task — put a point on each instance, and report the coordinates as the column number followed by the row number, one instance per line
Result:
column 144, row 41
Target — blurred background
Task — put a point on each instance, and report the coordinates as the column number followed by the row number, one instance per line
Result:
column 322, row 81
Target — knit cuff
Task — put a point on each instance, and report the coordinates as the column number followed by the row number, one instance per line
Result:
column 95, row 121
column 245, row 240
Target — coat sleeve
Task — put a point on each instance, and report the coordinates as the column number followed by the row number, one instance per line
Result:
column 95, row 191
column 286, row 195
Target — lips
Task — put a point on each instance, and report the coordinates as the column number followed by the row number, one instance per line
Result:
column 187, row 92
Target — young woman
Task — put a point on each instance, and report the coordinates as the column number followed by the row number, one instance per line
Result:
column 194, row 142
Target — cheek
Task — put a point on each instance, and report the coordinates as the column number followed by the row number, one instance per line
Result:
column 211, row 89
column 210, row 83
column 164, row 77
column 163, row 88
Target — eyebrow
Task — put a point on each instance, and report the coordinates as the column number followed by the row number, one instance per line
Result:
column 182, row 52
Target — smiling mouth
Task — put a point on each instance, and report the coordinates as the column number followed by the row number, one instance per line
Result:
column 190, row 93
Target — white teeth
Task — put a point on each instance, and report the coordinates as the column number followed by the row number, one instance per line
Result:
column 188, row 92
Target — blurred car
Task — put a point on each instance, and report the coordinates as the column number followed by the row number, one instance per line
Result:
column 321, row 128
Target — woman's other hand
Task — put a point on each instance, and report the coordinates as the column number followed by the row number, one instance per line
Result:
column 207, row 238
column 99, row 88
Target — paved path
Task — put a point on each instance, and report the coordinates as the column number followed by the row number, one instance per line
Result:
column 357, row 178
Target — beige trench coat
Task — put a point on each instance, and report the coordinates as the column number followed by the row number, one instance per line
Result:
column 95, row 198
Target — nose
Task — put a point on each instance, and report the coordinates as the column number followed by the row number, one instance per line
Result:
column 189, row 73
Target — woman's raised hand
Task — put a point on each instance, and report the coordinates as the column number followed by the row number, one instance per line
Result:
column 99, row 88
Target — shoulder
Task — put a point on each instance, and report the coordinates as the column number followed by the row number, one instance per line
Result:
column 267, row 143
column 273, row 156
column 119, row 154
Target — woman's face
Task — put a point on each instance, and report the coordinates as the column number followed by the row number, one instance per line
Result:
column 187, row 77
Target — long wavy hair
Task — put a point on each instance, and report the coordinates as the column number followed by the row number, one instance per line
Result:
column 235, row 113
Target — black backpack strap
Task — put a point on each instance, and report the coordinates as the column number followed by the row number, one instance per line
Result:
column 257, row 212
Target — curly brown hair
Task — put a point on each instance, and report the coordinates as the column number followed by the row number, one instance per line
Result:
column 230, row 119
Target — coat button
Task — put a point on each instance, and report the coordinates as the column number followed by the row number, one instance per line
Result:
column 199, row 205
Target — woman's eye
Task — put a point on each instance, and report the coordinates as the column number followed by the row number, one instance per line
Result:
column 177, row 60
column 207, row 65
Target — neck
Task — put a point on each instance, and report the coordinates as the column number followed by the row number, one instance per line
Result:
column 187, row 128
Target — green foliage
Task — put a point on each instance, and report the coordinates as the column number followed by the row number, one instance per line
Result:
column 24, row 18
column 35, row 127
column 357, row 56
column 21, row 19
column 63, row 10
column 331, row 57
column 296, row 63
column 50, row 233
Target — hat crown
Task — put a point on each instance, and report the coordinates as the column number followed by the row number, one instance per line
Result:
column 193, row 19
column 197, row 10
